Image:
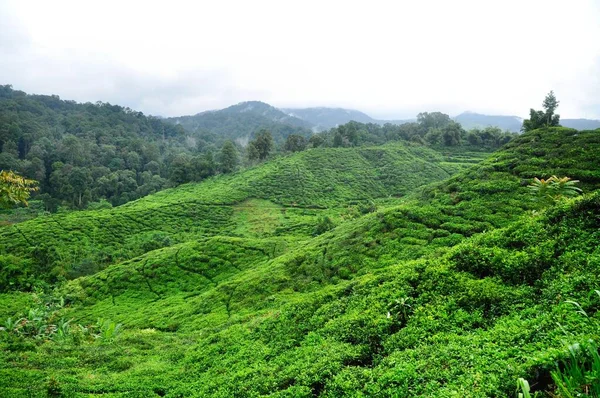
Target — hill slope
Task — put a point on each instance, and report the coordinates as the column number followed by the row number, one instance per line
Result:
column 581, row 124
column 397, row 302
column 300, row 188
column 468, row 323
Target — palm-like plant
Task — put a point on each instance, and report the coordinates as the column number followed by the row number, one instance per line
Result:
column 554, row 188
column 566, row 186
column 541, row 188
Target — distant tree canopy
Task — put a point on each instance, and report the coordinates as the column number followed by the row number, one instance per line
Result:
column 545, row 118
column 263, row 143
column 295, row 143
column 241, row 121
column 229, row 159
column 433, row 120
column 431, row 128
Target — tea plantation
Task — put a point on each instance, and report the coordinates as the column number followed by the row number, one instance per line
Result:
column 390, row 271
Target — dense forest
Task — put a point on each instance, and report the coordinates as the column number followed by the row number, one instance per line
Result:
column 81, row 153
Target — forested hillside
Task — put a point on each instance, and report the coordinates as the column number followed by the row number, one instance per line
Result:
column 331, row 272
column 80, row 153
column 240, row 122
column 323, row 118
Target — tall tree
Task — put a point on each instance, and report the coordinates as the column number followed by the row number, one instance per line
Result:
column 252, row 152
column 545, row 118
column 295, row 143
column 451, row 134
column 263, row 143
column 316, row 140
column 550, row 104
column 429, row 120
column 229, row 157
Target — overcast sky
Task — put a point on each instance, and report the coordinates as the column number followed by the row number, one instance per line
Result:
column 386, row 58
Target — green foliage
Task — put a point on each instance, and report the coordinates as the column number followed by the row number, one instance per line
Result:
column 41, row 321
column 229, row 159
column 108, row 331
column 552, row 189
column 455, row 289
column 263, row 142
column 324, row 224
column 84, row 153
column 14, row 189
column 295, row 143
column 545, row 118
column 579, row 374
column 433, row 120
column 53, row 388
column 241, row 121
column 523, row 388
column 436, row 129
column 306, row 184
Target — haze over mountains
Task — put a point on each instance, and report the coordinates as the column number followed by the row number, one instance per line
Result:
column 246, row 116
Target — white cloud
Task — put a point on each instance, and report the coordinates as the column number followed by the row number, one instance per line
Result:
column 388, row 58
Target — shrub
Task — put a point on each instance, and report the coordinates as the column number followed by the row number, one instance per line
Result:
column 324, row 224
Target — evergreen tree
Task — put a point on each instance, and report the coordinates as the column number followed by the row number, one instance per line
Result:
column 545, row 118
column 263, row 143
column 295, row 143
column 338, row 140
column 316, row 141
column 550, row 104
column 252, row 152
column 229, row 157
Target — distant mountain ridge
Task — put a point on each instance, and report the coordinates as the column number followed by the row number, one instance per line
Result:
column 239, row 122
column 242, row 120
column 324, row 118
column 581, row 124
column 470, row 120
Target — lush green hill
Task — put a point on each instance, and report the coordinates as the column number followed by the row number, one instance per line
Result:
column 298, row 189
column 467, row 323
column 404, row 301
